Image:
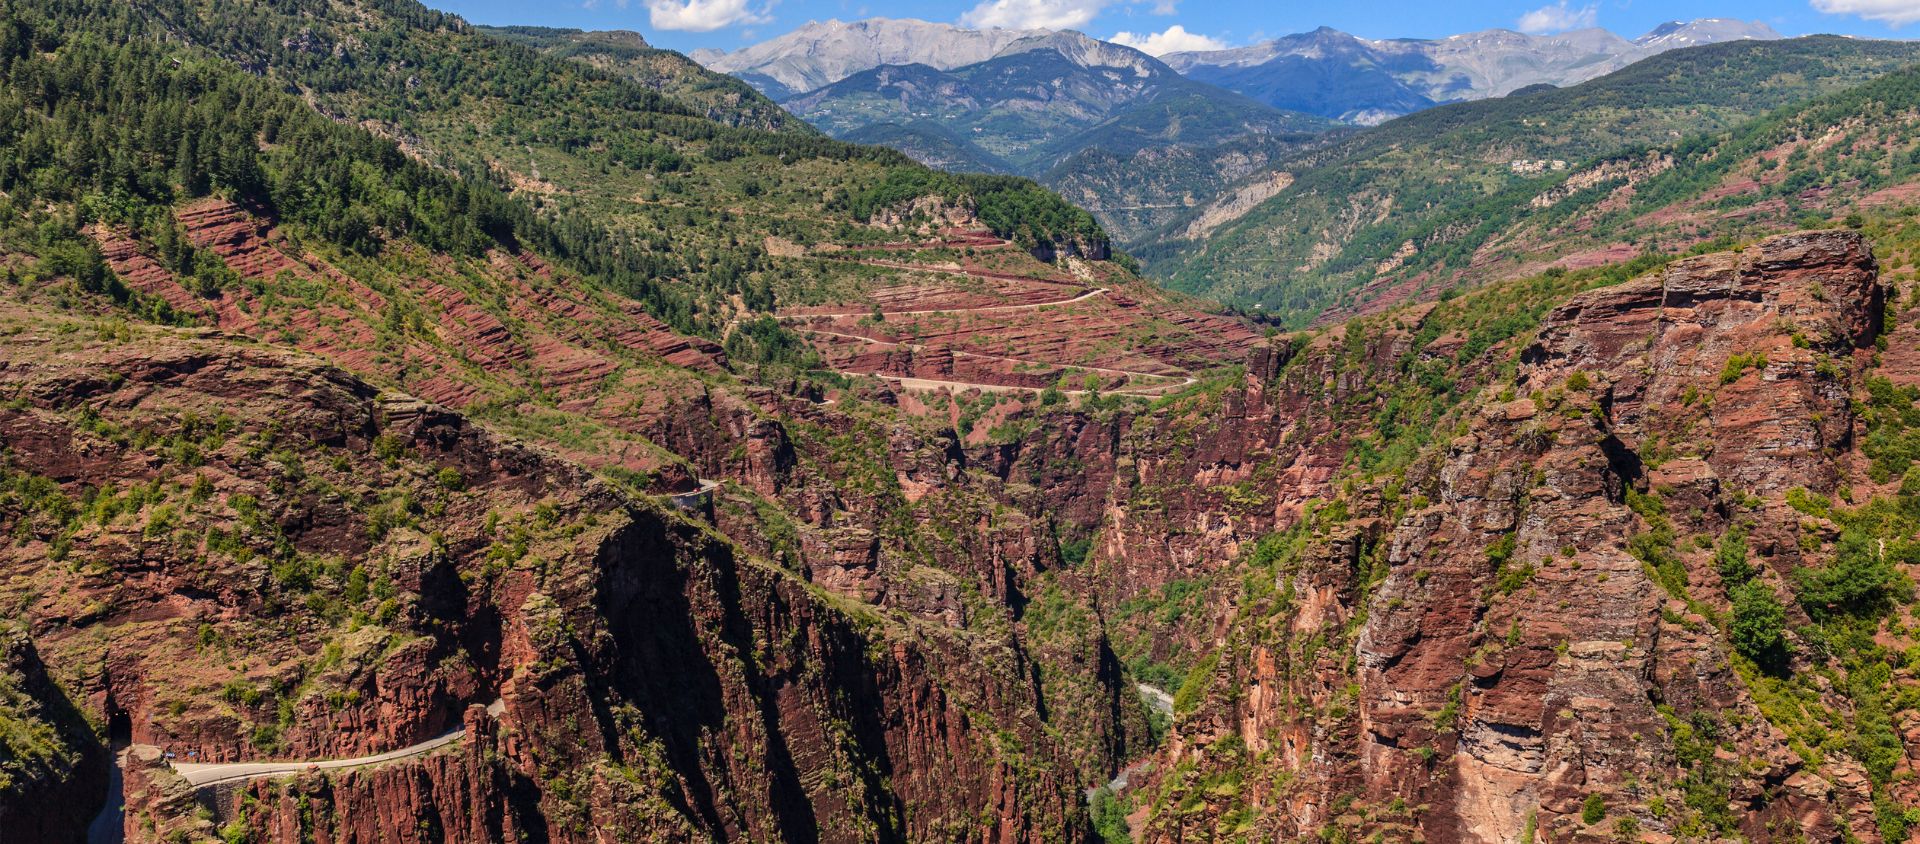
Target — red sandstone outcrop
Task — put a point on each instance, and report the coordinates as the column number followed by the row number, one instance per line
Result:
column 1468, row 707
column 1519, row 657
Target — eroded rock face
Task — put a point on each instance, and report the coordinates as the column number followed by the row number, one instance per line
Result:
column 1538, row 632
column 1562, row 701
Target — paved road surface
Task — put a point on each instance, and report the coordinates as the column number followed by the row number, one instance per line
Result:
column 201, row 774
column 110, row 826
column 937, row 384
column 929, row 384
column 693, row 499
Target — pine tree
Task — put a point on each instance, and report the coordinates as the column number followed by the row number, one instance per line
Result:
column 186, row 171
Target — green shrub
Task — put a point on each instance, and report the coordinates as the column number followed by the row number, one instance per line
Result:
column 1739, row 364
column 1730, row 558
column 1893, row 428
column 1758, row 629
column 1198, row 679
column 1627, row 829
column 1109, row 814
column 1073, row 552
column 1594, row 810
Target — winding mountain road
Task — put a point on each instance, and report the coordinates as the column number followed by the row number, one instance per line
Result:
column 933, row 383
column 204, row 775
column 929, row 384
column 1023, row 306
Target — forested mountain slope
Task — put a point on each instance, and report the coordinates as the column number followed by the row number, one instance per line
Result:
column 634, row 162
column 1840, row 155
column 1418, row 197
column 717, row 96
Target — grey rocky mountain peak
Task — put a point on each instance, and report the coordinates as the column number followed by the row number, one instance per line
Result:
column 824, row 52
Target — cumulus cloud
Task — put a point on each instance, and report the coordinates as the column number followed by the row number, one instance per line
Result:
column 1561, row 17
column 702, row 15
column 1890, row 12
column 1175, row 40
column 1033, row 14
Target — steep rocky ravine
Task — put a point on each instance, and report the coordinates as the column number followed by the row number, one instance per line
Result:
column 1519, row 625
column 239, row 553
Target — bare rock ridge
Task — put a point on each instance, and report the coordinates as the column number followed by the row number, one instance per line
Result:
column 1545, row 728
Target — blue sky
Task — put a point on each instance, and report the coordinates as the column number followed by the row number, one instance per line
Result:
column 727, row 24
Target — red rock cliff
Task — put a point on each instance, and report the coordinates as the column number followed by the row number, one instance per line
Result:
column 1526, row 638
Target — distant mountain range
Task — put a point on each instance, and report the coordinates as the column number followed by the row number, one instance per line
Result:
column 1142, row 141
column 1325, row 72
column 1331, row 73
column 1045, row 97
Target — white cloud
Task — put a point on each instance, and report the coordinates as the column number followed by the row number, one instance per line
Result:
column 1033, row 14
column 1890, row 12
column 1175, row 40
column 1560, row 17
column 702, row 15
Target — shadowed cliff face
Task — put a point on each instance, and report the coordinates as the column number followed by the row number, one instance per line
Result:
column 1528, row 634
column 53, row 770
